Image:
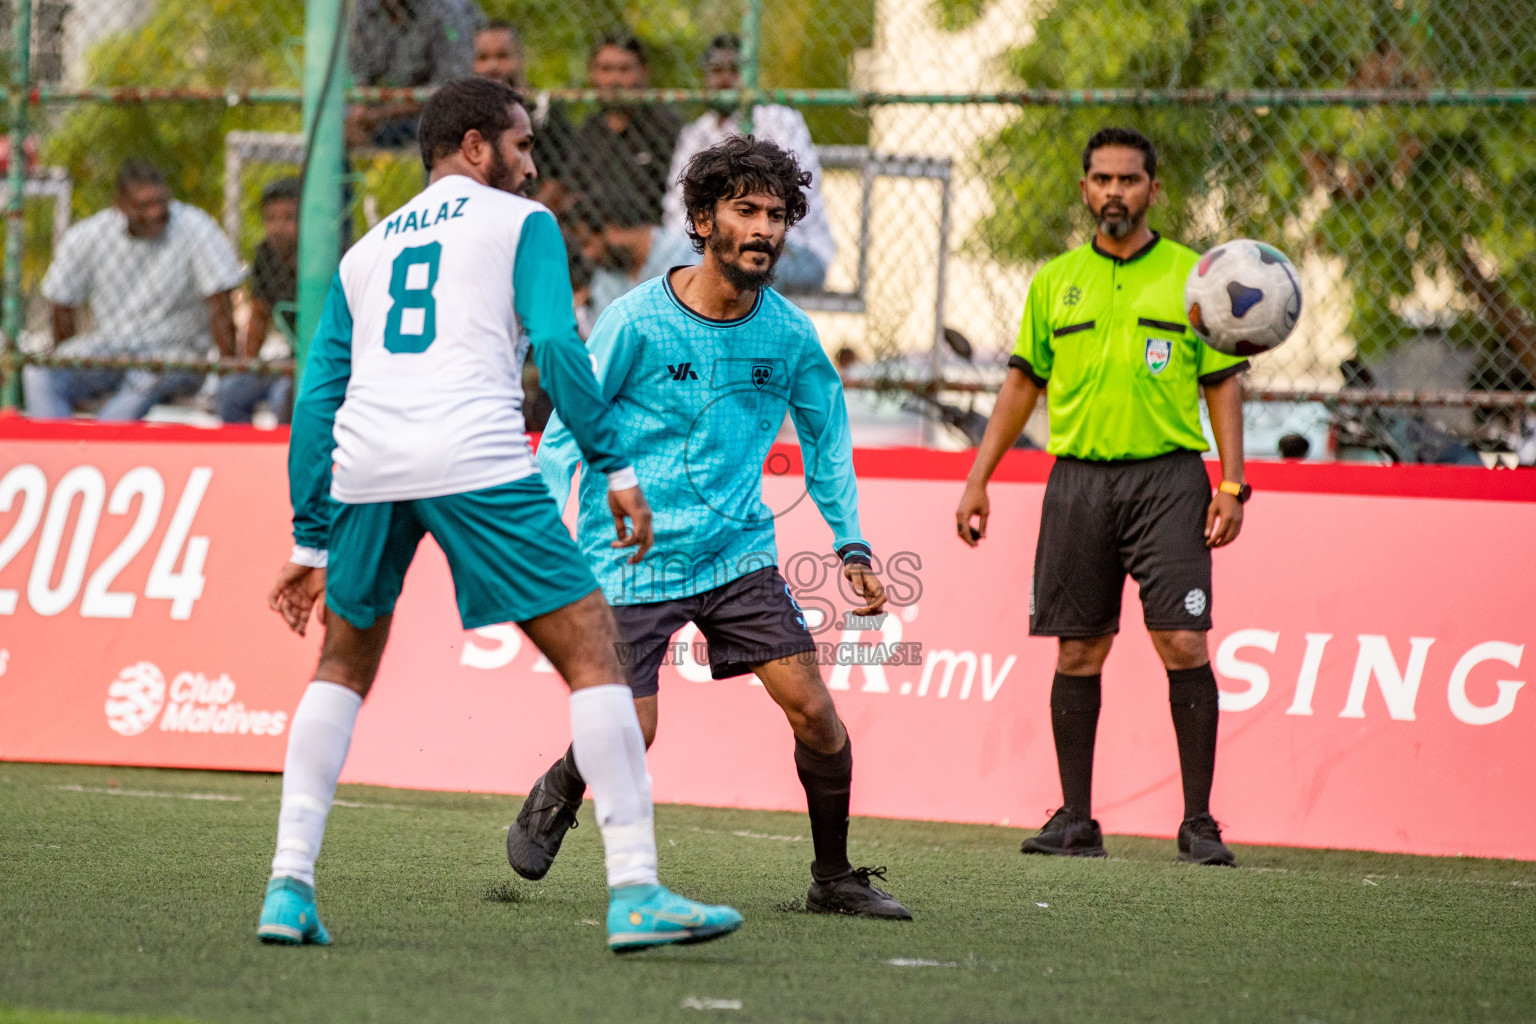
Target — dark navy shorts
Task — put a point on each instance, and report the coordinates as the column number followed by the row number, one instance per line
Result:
column 1102, row 520
column 745, row 622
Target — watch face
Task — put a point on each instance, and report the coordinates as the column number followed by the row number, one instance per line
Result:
column 1244, row 493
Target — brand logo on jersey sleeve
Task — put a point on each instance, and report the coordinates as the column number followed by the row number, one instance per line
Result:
column 1159, row 352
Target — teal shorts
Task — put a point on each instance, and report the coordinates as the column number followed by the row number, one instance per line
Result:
column 511, row 557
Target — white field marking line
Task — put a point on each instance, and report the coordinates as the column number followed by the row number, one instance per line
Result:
column 145, row 792
column 744, row 834
column 694, row 1003
column 902, row 961
column 373, row 807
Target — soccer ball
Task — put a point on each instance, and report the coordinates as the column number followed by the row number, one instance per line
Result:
column 1243, row 297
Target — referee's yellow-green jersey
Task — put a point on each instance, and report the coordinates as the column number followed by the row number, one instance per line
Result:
column 1109, row 340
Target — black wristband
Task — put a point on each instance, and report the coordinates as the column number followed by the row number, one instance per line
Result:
column 858, row 552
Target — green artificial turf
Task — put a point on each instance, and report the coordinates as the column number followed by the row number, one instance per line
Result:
column 121, row 893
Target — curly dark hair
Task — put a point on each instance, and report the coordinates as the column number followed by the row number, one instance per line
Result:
column 740, row 166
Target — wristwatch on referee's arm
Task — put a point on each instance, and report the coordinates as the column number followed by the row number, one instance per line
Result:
column 1242, row 492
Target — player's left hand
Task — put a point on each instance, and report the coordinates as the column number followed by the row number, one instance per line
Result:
column 632, row 522
column 1223, row 520
column 296, row 593
column 867, row 586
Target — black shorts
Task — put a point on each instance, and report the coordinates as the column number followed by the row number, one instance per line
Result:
column 1102, row 520
column 748, row 621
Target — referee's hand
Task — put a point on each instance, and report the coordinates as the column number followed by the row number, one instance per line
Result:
column 971, row 516
column 1223, row 520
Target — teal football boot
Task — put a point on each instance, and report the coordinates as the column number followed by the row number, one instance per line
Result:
column 640, row 916
column 288, row 916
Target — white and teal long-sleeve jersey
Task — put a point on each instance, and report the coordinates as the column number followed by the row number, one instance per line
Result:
column 699, row 403
column 413, row 387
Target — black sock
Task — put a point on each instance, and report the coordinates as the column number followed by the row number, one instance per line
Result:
column 1193, row 697
column 827, row 779
column 1075, row 723
column 565, row 778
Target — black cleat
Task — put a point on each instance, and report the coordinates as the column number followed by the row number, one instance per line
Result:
column 1066, row 834
column 535, row 837
column 1200, row 842
column 854, row 894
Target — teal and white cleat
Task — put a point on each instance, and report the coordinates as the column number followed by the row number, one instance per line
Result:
column 640, row 916
column 288, row 916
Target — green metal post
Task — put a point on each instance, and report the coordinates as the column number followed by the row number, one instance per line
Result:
column 325, row 85
column 751, row 61
column 15, row 206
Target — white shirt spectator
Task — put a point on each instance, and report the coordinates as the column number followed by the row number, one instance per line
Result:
column 147, row 295
column 783, row 126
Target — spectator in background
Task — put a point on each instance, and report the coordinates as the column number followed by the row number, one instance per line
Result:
column 158, row 276
column 808, row 249
column 626, row 247
column 625, row 148
column 581, row 284
column 405, row 44
column 1294, row 446
column 499, row 54
column 274, row 285
column 845, row 360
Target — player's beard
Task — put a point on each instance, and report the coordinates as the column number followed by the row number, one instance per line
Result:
column 501, row 176
column 727, row 250
column 1118, row 227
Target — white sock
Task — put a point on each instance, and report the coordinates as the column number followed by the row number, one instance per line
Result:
column 317, row 748
column 610, row 751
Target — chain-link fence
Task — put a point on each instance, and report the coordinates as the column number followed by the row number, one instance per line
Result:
column 1386, row 145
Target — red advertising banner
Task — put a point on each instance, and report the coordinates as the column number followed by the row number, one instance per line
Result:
column 1370, row 641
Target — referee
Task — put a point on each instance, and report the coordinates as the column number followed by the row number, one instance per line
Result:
column 1105, row 337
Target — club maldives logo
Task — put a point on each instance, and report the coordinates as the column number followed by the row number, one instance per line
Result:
column 197, row 704
column 134, row 698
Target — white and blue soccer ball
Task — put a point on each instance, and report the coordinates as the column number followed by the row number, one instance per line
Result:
column 1243, row 297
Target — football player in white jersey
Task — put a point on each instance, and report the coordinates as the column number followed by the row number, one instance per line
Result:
column 410, row 422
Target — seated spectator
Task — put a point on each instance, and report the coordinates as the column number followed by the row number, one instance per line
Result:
column 625, row 248
column 499, row 54
column 158, row 276
column 624, row 148
column 274, row 285
column 405, row 44
column 808, row 249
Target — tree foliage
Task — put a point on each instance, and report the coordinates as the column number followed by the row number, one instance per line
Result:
column 1398, row 193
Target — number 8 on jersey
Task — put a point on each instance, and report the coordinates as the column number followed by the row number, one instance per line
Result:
column 412, row 322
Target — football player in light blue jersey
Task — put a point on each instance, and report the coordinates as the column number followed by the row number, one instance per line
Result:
column 700, row 367
column 409, row 423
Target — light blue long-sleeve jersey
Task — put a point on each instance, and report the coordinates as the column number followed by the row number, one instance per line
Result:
column 435, row 401
column 698, row 403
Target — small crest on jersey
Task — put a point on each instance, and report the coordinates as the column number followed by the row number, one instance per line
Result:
column 762, row 373
column 1159, row 351
column 1073, row 294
